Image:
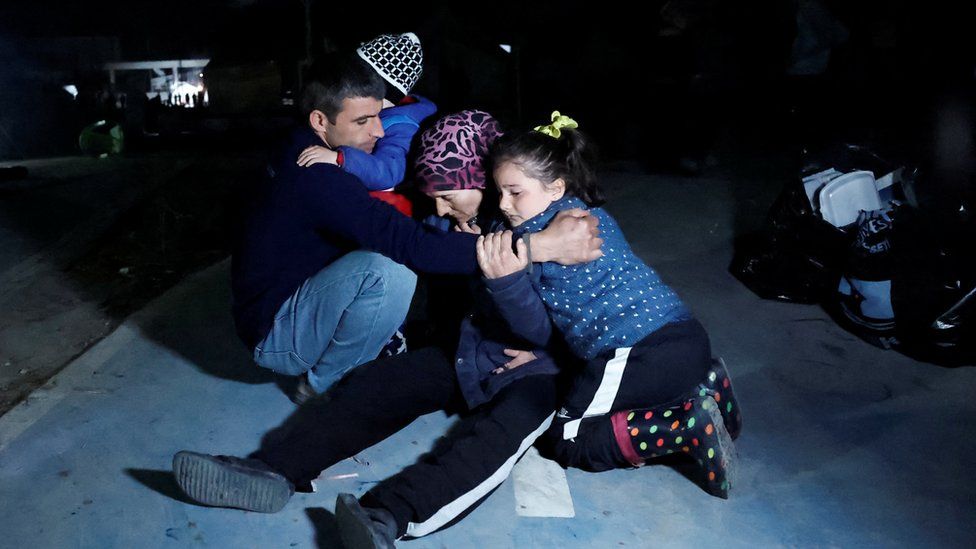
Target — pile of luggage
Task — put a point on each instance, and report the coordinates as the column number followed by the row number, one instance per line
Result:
column 849, row 234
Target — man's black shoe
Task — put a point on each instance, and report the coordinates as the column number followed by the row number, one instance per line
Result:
column 227, row 481
column 361, row 527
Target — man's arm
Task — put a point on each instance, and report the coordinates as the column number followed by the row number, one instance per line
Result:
column 337, row 204
column 572, row 238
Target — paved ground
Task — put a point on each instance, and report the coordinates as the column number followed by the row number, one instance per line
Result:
column 844, row 444
column 47, row 221
column 84, row 242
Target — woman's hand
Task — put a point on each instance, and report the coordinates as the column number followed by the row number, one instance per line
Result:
column 467, row 227
column 518, row 358
column 495, row 255
column 317, row 155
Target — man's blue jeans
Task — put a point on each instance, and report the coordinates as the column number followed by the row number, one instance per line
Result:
column 338, row 319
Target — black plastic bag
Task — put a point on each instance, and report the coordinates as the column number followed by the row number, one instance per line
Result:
column 934, row 288
column 797, row 257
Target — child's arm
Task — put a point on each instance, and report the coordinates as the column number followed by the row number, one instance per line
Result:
column 511, row 289
column 317, row 154
column 382, row 169
column 385, row 167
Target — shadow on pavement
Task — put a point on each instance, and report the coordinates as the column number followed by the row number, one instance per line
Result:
column 326, row 531
column 161, row 482
column 195, row 321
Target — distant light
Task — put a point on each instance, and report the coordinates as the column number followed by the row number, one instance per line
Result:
column 201, row 75
column 506, row 47
column 72, row 90
column 184, row 88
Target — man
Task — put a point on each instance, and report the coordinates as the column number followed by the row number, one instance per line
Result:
column 321, row 274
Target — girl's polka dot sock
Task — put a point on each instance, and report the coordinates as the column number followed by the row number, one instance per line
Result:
column 693, row 427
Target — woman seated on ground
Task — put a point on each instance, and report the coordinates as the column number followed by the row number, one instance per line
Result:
column 448, row 170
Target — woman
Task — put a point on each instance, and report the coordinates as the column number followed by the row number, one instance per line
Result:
column 450, row 170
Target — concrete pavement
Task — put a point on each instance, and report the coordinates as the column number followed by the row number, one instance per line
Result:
column 843, row 445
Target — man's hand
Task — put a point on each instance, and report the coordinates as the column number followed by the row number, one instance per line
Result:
column 317, row 155
column 570, row 239
column 495, row 255
column 518, row 358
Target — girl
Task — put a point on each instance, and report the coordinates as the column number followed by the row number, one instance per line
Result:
column 640, row 342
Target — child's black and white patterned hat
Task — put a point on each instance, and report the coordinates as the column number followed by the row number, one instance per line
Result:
column 398, row 58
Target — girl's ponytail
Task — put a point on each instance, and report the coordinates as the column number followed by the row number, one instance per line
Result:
column 580, row 156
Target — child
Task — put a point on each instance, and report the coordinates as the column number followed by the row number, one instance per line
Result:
column 399, row 60
column 640, row 343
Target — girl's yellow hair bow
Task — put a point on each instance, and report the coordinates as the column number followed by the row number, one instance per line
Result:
column 559, row 122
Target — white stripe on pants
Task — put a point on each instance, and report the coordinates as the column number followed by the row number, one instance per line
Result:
column 605, row 393
column 447, row 513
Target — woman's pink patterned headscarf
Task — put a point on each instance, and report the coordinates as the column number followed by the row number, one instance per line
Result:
column 453, row 152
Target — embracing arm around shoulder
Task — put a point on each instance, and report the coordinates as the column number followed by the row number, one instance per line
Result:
column 387, row 164
column 572, row 238
column 337, row 205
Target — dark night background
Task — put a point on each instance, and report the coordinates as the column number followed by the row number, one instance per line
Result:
column 650, row 84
